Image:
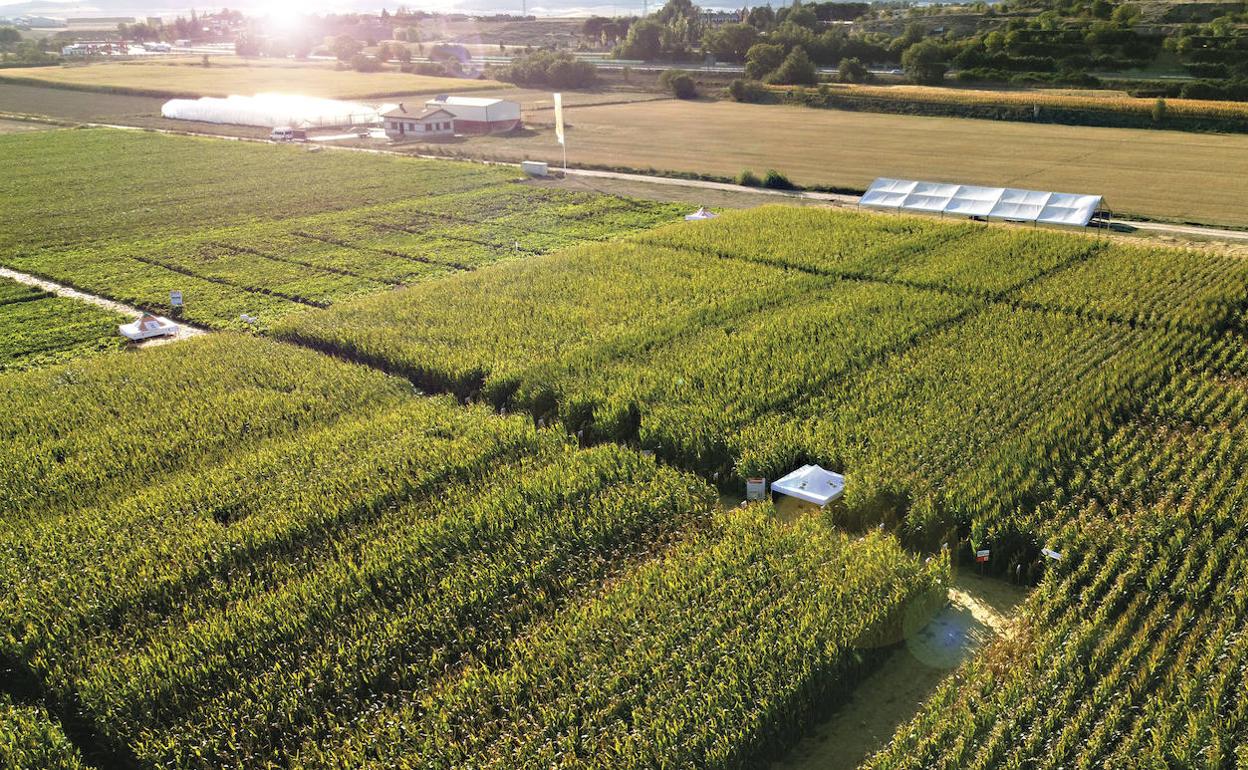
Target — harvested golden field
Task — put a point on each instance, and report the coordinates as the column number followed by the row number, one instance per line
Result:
column 229, row 75
column 1168, row 175
column 1111, row 101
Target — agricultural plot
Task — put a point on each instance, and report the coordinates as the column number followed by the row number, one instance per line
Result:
column 940, row 365
column 30, row 737
column 62, row 444
column 181, row 77
column 37, row 328
column 350, row 572
column 607, row 681
column 246, row 246
column 1134, row 653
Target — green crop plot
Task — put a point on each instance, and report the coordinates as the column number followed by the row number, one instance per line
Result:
column 445, row 546
column 263, row 231
column 38, row 328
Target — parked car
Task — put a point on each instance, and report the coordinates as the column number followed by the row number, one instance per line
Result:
column 288, row 134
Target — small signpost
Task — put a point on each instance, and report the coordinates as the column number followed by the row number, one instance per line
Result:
column 175, row 298
column 755, row 488
column 982, row 555
column 1050, row 553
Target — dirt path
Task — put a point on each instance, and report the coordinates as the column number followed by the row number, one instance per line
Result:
column 185, row 331
column 979, row 610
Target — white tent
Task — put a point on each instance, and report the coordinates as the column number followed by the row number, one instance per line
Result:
column 148, row 326
column 812, row 484
column 972, row 201
column 270, row 110
column 700, row 214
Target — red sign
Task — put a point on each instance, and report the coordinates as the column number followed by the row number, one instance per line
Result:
column 982, row 556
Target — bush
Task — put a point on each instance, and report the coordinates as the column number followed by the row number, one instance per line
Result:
column 546, row 68
column 762, row 59
column 852, row 70
column 924, row 63
column 774, row 180
column 364, row 63
column 748, row 91
column 679, row 83
column 796, row 70
column 748, row 178
column 430, row 68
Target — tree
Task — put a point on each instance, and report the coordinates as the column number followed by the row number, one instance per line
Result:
column 924, row 63
column 593, row 26
column 247, row 45
column 852, row 70
column 796, row 70
column 644, row 41
column 546, row 68
column 680, row 83
column 345, row 47
column 9, row 35
column 761, row 17
column 676, row 9
column 762, row 59
column 798, row 15
column 730, row 42
column 364, row 63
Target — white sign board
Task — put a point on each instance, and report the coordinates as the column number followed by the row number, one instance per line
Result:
column 175, row 299
column 1054, row 555
column 755, row 489
column 982, row 556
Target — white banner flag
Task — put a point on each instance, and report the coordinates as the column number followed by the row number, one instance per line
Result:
column 559, row 117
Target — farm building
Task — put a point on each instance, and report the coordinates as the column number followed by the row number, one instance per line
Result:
column 401, row 123
column 477, row 114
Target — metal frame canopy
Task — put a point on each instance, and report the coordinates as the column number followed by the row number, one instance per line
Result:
column 1047, row 208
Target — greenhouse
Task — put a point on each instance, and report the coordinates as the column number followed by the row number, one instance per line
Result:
column 269, row 110
column 1050, row 208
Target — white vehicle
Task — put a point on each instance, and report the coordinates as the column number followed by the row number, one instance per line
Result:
column 288, row 134
column 147, row 327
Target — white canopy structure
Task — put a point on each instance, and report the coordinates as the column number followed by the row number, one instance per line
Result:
column 812, row 484
column 1049, row 208
column 700, row 214
column 271, row 110
column 148, row 326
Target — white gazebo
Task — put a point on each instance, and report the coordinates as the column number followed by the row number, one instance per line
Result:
column 812, row 484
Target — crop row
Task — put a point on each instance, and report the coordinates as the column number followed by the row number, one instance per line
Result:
column 265, row 267
column 311, row 576
column 129, row 185
column 1199, row 108
column 30, row 738
column 710, row 657
column 922, row 251
column 38, row 329
column 946, row 391
column 74, row 433
column 1134, row 651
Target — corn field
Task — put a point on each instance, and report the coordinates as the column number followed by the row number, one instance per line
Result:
column 239, row 552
